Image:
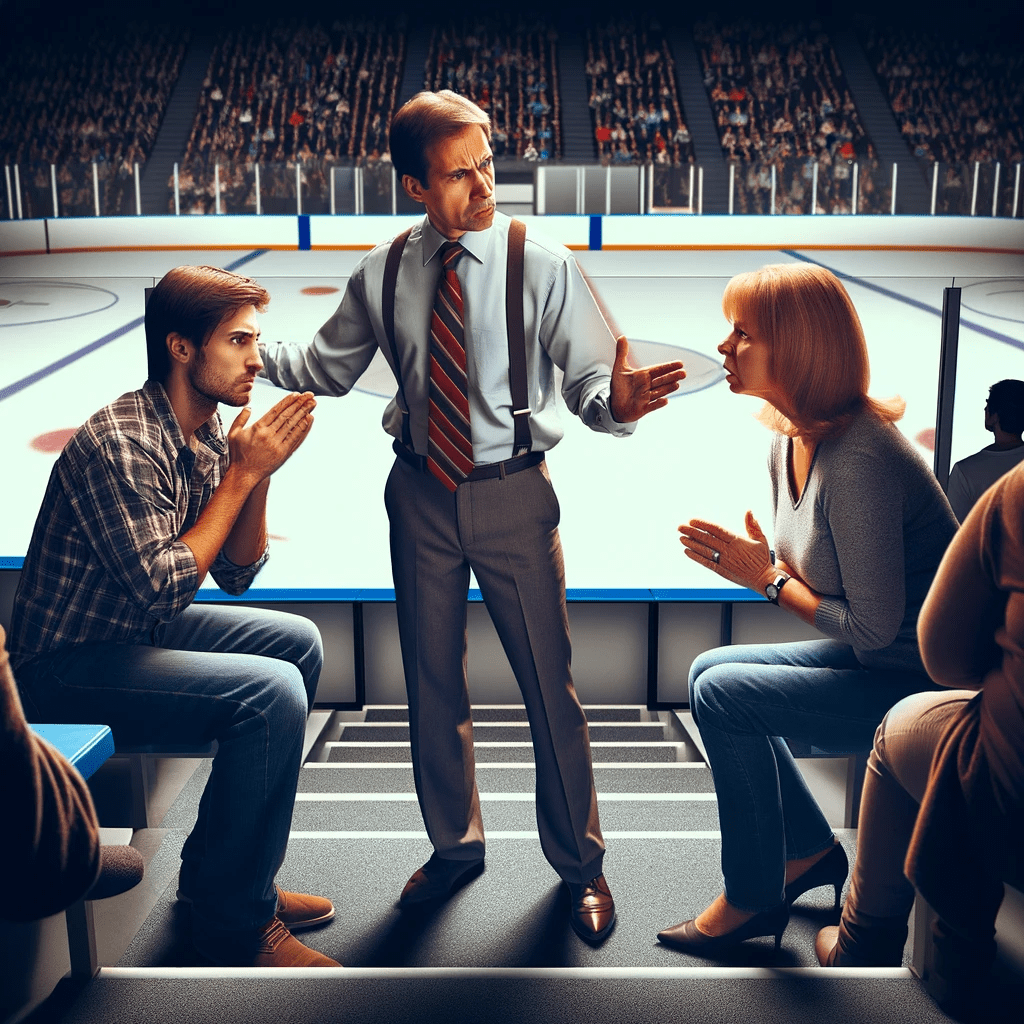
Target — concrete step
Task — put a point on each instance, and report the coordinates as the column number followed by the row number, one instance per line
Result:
column 519, row 732
column 515, row 713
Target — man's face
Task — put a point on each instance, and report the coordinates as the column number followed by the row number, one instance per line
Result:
column 460, row 176
column 224, row 369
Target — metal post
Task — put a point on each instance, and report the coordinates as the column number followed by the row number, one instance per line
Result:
column 995, row 192
column 1016, row 190
column 974, row 190
column 53, row 188
column 298, row 187
column 855, row 197
column 17, row 191
column 771, row 209
column 216, row 188
column 540, row 196
column 693, row 205
column 641, row 183
column 138, row 194
column 177, row 193
column 814, row 188
column 892, row 207
column 581, row 189
column 650, row 190
column 394, row 190
column 10, row 199
column 935, row 184
column 947, row 382
column 259, row 202
column 608, row 190
column 732, row 186
column 95, row 188
column 700, row 191
column 333, row 211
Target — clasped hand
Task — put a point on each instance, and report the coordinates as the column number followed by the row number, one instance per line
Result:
column 743, row 560
column 637, row 391
column 264, row 447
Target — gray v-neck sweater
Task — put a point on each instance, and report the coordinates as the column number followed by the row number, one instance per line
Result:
column 868, row 533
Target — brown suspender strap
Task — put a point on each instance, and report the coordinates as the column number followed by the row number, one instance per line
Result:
column 523, row 441
column 388, row 314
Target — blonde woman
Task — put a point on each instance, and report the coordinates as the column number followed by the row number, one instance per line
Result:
column 860, row 527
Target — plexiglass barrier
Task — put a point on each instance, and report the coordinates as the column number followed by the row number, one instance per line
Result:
column 791, row 186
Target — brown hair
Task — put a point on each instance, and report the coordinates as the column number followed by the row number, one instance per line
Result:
column 194, row 302
column 423, row 121
column 818, row 355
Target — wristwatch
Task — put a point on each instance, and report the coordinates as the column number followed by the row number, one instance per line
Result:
column 772, row 590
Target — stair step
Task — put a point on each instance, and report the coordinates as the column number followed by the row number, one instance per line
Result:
column 526, row 996
column 503, row 732
column 514, row 713
column 677, row 777
column 515, row 813
column 519, row 753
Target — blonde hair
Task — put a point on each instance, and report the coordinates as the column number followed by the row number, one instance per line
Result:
column 818, row 355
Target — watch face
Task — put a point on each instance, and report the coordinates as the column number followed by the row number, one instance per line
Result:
column 772, row 591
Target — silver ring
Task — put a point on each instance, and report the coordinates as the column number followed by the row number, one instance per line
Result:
column 716, row 556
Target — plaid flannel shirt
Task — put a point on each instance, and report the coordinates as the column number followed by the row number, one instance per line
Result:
column 105, row 563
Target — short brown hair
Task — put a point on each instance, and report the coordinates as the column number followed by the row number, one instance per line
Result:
column 423, row 121
column 818, row 355
column 194, row 302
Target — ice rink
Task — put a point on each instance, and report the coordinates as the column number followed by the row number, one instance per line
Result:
column 71, row 339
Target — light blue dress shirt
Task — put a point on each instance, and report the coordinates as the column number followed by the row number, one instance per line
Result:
column 564, row 329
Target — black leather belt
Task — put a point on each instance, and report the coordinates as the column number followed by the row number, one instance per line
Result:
column 495, row 469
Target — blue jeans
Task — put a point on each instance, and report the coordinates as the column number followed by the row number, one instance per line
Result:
column 245, row 677
column 744, row 699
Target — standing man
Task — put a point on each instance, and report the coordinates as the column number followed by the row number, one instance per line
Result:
column 469, row 488
column 145, row 500
column 970, row 478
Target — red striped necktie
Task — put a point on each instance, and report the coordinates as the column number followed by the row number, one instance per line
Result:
column 449, row 439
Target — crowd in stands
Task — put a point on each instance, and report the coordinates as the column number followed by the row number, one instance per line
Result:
column 85, row 92
column 291, row 91
column 508, row 66
column 780, row 98
column 634, row 101
column 954, row 102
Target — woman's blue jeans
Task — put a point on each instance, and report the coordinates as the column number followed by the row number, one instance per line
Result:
column 744, row 699
column 245, row 677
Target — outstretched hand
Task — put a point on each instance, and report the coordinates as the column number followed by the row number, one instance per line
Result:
column 637, row 391
column 743, row 560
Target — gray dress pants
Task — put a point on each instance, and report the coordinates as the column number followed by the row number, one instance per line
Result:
column 506, row 530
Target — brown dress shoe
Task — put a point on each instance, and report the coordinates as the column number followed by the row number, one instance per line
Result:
column 279, row 948
column 593, row 910
column 438, row 879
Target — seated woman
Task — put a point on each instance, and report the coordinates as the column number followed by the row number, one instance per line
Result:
column 860, row 527
column 960, row 755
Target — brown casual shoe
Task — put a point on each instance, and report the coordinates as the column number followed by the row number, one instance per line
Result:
column 279, row 948
column 295, row 909
column 593, row 910
column 438, row 879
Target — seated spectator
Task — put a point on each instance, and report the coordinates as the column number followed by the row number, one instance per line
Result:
column 942, row 810
column 146, row 499
column 860, row 527
column 1004, row 417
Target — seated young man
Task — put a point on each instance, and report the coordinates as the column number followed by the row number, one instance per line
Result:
column 146, row 499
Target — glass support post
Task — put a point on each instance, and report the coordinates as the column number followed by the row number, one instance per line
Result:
column 177, row 193
column 855, row 198
column 892, row 205
column 700, row 190
column 259, row 202
column 216, row 188
column 974, row 189
column 732, row 187
column 96, row 188
column 995, row 191
column 138, row 191
column 333, row 210
column 771, row 209
column 298, row 187
column 53, row 189
column 814, row 188
column 935, row 184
